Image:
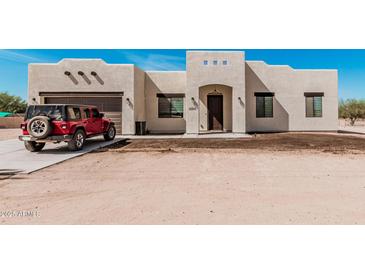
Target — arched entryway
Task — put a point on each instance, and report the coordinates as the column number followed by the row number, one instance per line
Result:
column 215, row 108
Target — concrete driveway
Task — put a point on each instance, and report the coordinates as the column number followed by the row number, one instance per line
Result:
column 13, row 155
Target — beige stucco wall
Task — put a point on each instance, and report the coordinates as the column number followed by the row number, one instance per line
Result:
column 237, row 79
column 116, row 78
column 11, row 122
column 289, row 86
column 232, row 75
column 139, row 95
column 227, row 105
column 164, row 82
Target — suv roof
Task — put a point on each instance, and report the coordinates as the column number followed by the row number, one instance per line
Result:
column 72, row 105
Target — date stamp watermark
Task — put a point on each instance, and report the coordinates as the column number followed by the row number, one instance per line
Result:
column 18, row 213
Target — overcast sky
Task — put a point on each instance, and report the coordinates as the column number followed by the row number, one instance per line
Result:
column 350, row 63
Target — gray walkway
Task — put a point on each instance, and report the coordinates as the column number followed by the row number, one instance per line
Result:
column 354, row 129
column 13, row 155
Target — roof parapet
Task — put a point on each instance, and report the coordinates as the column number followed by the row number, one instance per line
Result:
column 268, row 65
column 286, row 66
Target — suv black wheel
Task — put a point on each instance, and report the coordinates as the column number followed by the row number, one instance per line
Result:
column 110, row 134
column 33, row 146
column 77, row 141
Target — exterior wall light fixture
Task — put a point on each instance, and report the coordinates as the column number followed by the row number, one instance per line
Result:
column 241, row 102
column 67, row 73
column 129, row 102
column 93, row 73
column 194, row 102
column 80, row 73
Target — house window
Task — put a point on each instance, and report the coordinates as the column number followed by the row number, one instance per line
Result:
column 224, row 62
column 170, row 106
column 313, row 104
column 215, row 62
column 264, row 105
column 205, row 62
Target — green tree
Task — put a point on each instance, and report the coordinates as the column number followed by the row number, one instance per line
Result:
column 11, row 103
column 352, row 110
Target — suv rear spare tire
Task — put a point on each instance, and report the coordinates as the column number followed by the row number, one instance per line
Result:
column 33, row 146
column 77, row 141
column 39, row 127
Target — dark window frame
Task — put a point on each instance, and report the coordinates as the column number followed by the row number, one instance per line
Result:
column 313, row 95
column 261, row 113
column 169, row 98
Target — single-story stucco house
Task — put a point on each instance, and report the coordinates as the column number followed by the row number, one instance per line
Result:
column 219, row 91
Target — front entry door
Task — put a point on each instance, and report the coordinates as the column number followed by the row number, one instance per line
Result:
column 215, row 112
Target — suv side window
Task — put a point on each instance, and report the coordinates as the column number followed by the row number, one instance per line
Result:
column 77, row 113
column 87, row 113
column 95, row 113
column 73, row 114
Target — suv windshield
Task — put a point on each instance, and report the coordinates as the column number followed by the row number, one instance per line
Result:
column 54, row 112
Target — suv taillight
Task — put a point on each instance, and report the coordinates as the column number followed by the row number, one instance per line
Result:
column 64, row 126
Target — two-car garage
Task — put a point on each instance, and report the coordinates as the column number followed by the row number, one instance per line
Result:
column 109, row 103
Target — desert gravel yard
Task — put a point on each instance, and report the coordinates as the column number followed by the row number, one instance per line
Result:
column 325, row 142
column 9, row 133
column 268, row 179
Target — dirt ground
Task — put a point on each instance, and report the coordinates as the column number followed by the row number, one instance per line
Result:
column 263, row 180
column 9, row 133
column 320, row 142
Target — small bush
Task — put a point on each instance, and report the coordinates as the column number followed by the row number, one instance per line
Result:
column 352, row 110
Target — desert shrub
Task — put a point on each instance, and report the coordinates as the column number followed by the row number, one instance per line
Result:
column 11, row 103
column 352, row 110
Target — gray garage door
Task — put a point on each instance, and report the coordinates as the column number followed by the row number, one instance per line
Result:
column 111, row 106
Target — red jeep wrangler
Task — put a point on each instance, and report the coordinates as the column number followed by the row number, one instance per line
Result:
column 68, row 123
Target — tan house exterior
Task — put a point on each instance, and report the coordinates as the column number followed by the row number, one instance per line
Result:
column 220, row 91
